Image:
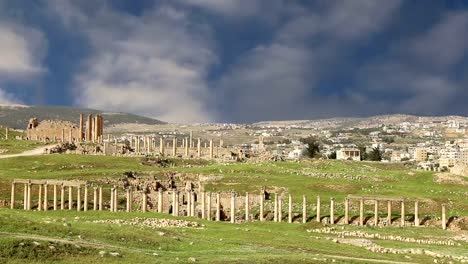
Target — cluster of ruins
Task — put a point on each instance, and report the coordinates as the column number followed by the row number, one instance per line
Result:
column 55, row 130
column 207, row 205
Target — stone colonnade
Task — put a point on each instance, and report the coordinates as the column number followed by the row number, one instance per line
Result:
column 209, row 205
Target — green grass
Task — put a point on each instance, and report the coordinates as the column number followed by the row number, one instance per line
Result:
column 17, row 146
column 215, row 243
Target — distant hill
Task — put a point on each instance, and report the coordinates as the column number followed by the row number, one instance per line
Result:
column 17, row 116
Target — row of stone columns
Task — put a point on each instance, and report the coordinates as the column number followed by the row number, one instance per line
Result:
column 206, row 204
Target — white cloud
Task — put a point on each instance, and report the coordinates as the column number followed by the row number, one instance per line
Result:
column 154, row 65
column 7, row 99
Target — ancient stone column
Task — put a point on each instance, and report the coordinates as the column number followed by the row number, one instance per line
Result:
column 318, row 209
column 144, row 201
column 211, row 149
column 262, row 198
column 218, row 207
column 63, row 135
column 6, row 133
column 191, row 139
column 199, row 148
column 402, row 213
column 78, row 199
column 233, row 207
column 221, row 143
column 25, row 197
column 376, row 212
column 177, row 203
column 80, row 136
column 361, row 212
column 161, row 146
column 275, row 213
column 100, row 198
column 174, row 147
column 70, row 136
column 89, row 125
column 346, row 218
column 444, row 218
column 389, row 212
column 192, row 207
column 12, row 200
column 202, row 201
column 70, row 198
column 208, row 212
column 46, row 199
column 85, row 203
column 247, row 207
column 332, row 211
column 129, row 199
column 29, row 196
column 62, row 197
column 416, row 213
column 290, row 209
column 95, row 199
column 280, row 209
column 112, row 200
column 39, row 203
column 160, row 200
column 116, row 199
column 189, row 203
column 173, row 203
column 55, row 197
column 304, row 209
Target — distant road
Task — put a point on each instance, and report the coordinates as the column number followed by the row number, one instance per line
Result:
column 34, row 152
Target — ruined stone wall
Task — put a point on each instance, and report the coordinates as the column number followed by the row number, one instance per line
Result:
column 53, row 129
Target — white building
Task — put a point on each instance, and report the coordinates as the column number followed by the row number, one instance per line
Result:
column 348, row 154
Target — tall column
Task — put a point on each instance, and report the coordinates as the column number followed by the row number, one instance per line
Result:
column 211, row 149
column 389, row 212
column 444, row 218
column 376, row 212
column 55, row 197
column 346, row 206
column 78, row 199
column 129, row 199
column 199, row 148
column 189, row 203
column 116, row 199
column 208, row 212
column 290, row 209
column 187, row 144
column 39, row 203
column 192, row 208
column 416, row 213
column 6, row 133
column 173, row 202
column 29, row 196
column 70, row 136
column 247, row 207
column 85, row 208
column 218, row 207
column 191, row 139
column 275, row 213
column 177, row 203
column 233, row 207
column 100, row 198
column 304, row 209
column 95, row 199
column 62, row 197
column 318, row 209
column 262, row 198
column 144, row 201
column 80, row 136
column 12, row 200
column 70, row 198
column 46, row 199
column 161, row 146
column 63, row 135
column 402, row 213
column 25, row 197
column 202, row 201
column 112, row 200
column 89, row 127
column 332, row 211
column 160, row 200
column 361, row 212
column 280, row 209
column 174, row 147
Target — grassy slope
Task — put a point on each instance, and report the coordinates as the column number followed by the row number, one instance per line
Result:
column 216, row 243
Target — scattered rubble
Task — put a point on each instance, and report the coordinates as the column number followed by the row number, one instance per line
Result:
column 152, row 222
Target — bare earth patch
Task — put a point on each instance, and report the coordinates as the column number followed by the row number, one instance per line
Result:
column 445, row 177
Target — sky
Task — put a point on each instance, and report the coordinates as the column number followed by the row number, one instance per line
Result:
column 238, row 61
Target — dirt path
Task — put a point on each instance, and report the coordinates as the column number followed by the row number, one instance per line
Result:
column 34, row 152
column 105, row 245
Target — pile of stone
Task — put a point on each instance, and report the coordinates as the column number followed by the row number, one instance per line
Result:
column 360, row 234
column 152, row 222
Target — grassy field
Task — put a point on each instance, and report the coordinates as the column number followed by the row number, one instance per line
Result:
column 70, row 237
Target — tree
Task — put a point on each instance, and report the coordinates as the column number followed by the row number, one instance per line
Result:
column 332, row 155
column 362, row 150
column 375, row 155
column 313, row 146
